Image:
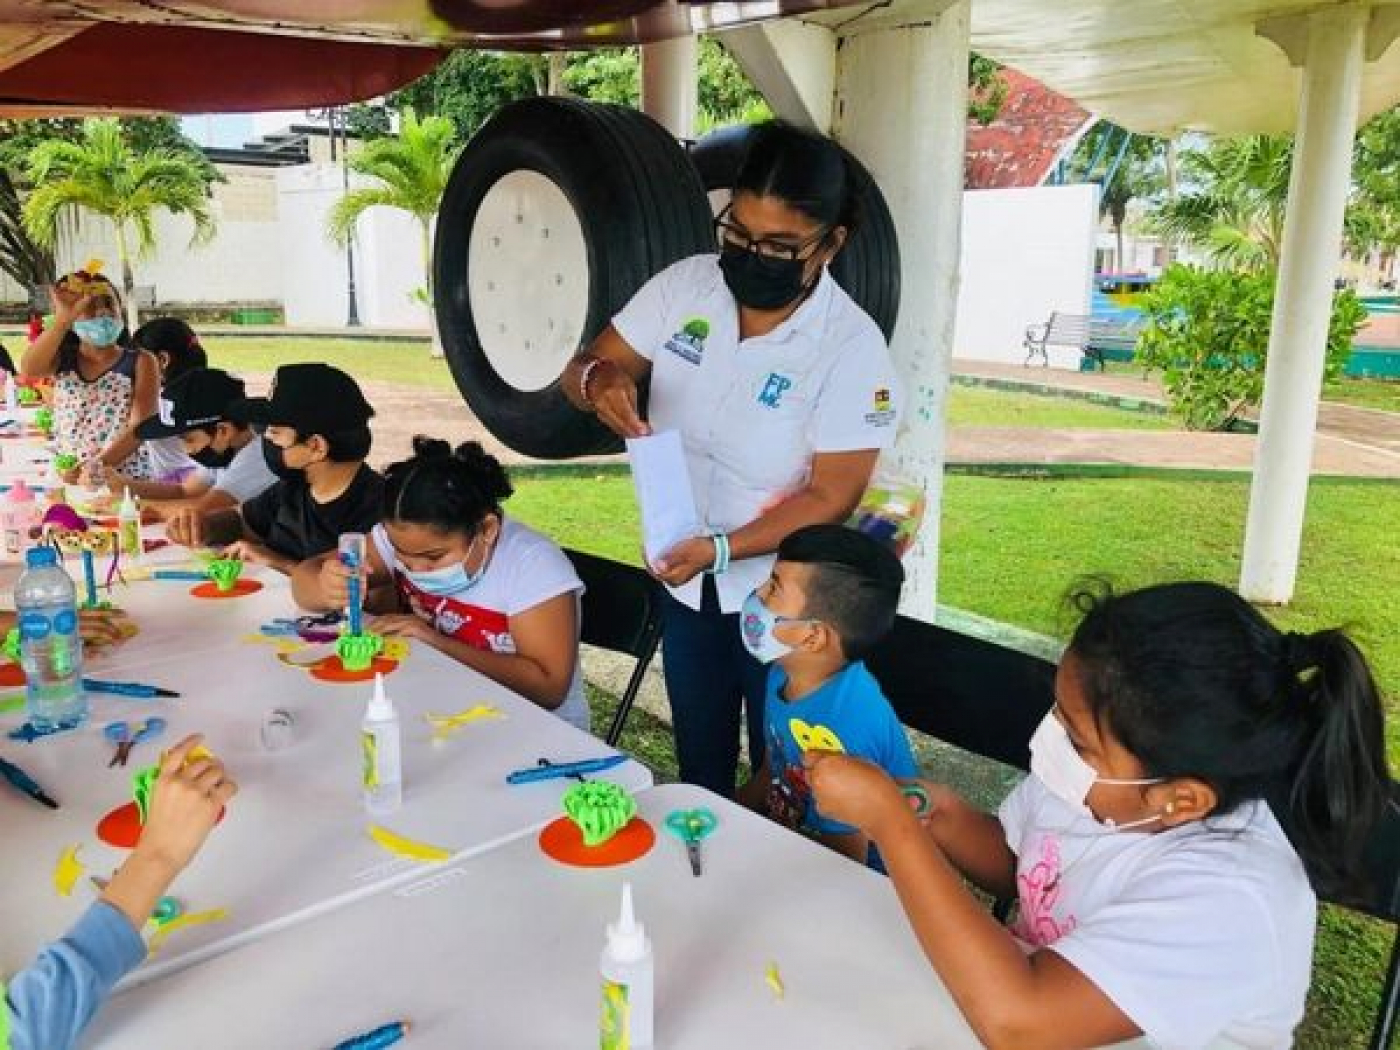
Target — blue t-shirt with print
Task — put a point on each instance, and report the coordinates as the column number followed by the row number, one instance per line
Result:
column 847, row 713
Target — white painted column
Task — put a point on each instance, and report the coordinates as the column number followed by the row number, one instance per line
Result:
column 901, row 107
column 1308, row 264
column 670, row 73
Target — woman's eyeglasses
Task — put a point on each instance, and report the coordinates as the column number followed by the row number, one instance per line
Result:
column 732, row 235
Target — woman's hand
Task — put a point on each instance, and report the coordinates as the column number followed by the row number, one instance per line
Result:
column 404, row 625
column 613, row 395
column 686, row 560
column 67, row 304
column 854, row 791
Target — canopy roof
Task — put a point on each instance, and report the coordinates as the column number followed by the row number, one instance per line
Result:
column 1150, row 65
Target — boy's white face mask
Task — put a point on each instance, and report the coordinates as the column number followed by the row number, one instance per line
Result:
column 1065, row 774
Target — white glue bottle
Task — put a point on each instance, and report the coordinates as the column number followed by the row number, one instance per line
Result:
column 626, row 968
column 379, row 742
column 129, row 526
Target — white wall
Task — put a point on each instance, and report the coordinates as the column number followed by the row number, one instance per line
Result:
column 387, row 254
column 1025, row 252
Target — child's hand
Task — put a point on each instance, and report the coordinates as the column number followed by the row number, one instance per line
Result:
column 404, row 625
column 854, row 791
column 92, row 474
column 99, row 627
column 186, row 527
column 184, row 806
column 335, row 582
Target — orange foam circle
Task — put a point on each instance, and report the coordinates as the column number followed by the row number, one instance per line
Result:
column 331, row 669
column 562, row 840
column 122, row 827
column 11, row 674
column 240, row 589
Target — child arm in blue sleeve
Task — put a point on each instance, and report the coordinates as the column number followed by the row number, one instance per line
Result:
column 52, row 999
column 49, row 1002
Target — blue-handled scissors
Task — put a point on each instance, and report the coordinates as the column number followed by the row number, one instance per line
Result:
column 692, row 826
column 127, row 735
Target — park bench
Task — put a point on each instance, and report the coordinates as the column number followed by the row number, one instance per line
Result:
column 1098, row 339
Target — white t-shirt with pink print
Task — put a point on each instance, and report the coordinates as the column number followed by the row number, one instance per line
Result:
column 1201, row 934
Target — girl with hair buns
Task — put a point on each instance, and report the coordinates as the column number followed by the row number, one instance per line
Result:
column 448, row 568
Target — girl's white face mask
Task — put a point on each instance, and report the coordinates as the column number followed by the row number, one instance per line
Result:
column 1065, row 774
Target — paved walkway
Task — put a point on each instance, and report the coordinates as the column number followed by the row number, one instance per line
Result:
column 1352, row 442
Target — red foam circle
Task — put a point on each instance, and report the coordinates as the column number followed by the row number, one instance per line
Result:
column 11, row 674
column 241, row 589
column 561, row 840
column 332, row 669
column 122, row 827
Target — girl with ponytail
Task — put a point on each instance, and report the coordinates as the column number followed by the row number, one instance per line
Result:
column 1199, row 777
column 449, row 568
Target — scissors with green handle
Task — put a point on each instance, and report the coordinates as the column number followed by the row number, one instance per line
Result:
column 692, row 826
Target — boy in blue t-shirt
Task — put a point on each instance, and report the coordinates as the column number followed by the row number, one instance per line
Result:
column 832, row 596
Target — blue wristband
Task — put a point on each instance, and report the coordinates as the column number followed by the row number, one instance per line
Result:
column 721, row 563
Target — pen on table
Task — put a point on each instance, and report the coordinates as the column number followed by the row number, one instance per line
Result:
column 21, row 781
column 564, row 769
column 387, row 1035
column 136, row 690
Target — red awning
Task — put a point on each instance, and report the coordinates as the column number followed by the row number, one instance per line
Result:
column 187, row 70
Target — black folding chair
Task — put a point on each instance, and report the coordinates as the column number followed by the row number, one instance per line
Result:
column 621, row 613
column 974, row 694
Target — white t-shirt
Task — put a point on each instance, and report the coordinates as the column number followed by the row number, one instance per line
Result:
column 1201, row 934
column 752, row 414
column 525, row 570
column 169, row 461
column 247, row 476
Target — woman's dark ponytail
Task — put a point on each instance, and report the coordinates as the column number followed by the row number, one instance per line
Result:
column 449, row 490
column 1340, row 782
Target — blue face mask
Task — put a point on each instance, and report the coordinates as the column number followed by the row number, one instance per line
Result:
column 99, row 331
column 756, row 624
column 448, row 582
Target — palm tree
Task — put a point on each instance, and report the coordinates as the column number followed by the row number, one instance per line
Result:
column 412, row 172
column 104, row 174
column 1233, row 201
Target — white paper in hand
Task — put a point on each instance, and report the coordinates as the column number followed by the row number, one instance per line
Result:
column 664, row 496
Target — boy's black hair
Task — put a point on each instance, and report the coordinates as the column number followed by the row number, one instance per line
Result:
column 450, row 490
column 1195, row 682
column 854, row 584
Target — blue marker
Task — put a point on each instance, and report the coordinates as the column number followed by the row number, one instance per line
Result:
column 133, row 690
column 179, row 574
column 352, row 556
column 387, row 1035
column 564, row 769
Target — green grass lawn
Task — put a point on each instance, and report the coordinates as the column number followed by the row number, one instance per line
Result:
column 1012, row 547
column 1383, row 394
column 388, row 361
column 975, row 406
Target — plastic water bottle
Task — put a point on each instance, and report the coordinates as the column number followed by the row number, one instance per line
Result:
column 628, row 980
column 51, row 649
column 379, row 739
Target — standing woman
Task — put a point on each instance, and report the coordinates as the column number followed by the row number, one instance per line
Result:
column 783, row 392
column 102, row 385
